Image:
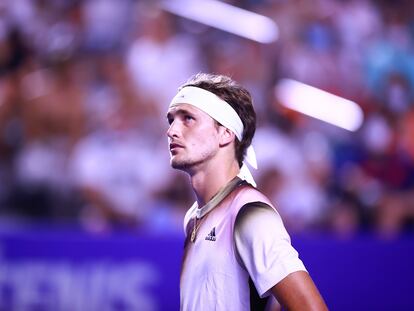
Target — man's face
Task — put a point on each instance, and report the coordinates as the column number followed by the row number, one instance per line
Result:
column 192, row 137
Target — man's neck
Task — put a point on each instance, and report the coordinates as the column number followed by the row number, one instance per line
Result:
column 207, row 182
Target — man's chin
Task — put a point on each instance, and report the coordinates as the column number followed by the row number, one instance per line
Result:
column 179, row 165
column 187, row 165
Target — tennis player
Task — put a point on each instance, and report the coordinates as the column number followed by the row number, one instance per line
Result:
column 237, row 251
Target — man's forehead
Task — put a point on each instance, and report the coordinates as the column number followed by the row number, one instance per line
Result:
column 184, row 108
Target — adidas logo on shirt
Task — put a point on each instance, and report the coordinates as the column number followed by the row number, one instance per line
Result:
column 212, row 235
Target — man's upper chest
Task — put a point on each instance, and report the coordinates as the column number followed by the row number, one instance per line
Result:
column 212, row 247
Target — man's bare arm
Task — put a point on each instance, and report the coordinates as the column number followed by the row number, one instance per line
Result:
column 298, row 292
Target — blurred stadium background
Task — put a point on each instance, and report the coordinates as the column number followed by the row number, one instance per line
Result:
column 90, row 211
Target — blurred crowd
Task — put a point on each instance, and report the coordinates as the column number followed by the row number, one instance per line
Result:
column 84, row 88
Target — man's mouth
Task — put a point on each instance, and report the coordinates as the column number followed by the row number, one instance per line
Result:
column 175, row 146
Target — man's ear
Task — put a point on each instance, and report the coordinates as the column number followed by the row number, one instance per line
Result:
column 225, row 135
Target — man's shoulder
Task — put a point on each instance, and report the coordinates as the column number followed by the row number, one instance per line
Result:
column 250, row 196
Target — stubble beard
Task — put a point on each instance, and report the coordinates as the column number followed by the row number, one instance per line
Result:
column 188, row 165
column 183, row 165
column 179, row 165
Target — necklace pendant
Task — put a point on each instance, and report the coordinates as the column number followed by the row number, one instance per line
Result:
column 193, row 235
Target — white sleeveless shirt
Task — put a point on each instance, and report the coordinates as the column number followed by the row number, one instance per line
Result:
column 234, row 242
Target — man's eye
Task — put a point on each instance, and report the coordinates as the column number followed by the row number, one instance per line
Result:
column 188, row 118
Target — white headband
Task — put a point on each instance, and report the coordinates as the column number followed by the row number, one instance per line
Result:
column 223, row 113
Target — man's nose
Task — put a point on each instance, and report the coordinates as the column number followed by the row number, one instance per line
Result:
column 173, row 130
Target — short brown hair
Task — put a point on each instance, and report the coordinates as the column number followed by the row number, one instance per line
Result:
column 237, row 97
